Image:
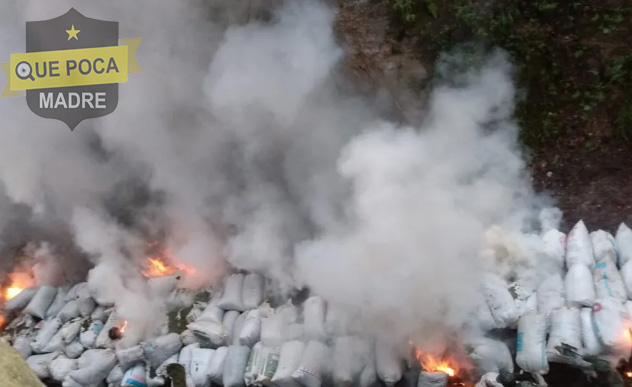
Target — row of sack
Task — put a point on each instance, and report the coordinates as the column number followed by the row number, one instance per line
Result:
column 598, row 266
column 603, row 329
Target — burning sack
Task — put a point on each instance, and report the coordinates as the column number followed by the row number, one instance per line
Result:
column 608, row 282
column 313, row 365
column 388, row 362
column 432, row 379
column 235, row 366
column 21, row 300
column 590, row 341
column 623, row 241
column 161, row 348
column 578, row 246
column 289, row 360
column 580, row 290
column 612, row 324
column 232, row 296
column 490, row 355
column 93, row 367
column 41, row 301
column 565, row 329
column 530, row 343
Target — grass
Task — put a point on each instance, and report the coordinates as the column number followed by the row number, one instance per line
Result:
column 573, row 58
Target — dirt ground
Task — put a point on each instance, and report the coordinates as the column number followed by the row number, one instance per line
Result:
column 587, row 172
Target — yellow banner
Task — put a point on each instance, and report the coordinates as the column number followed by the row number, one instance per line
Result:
column 64, row 68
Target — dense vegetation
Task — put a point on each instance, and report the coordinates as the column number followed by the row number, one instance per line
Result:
column 574, row 58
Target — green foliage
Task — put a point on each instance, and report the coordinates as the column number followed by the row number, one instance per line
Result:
column 561, row 50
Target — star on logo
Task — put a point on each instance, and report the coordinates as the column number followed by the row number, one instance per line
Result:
column 72, row 33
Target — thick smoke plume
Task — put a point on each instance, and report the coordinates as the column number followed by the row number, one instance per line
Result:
column 236, row 146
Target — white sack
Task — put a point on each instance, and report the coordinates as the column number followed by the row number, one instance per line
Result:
column 268, row 365
column 294, row 332
column 161, row 370
column 490, row 355
column 288, row 311
column 86, row 306
column 201, row 359
column 186, row 354
column 136, row 376
column 45, row 334
column 230, row 318
column 604, row 246
column 482, row 316
column 237, row 327
column 93, row 366
column 189, row 337
column 252, row 295
column 530, row 305
column 235, row 366
column 74, row 350
column 555, row 247
column 531, row 342
column 366, row 362
column 161, row 348
column 79, row 289
column 60, row 367
column 70, row 330
column 313, row 365
column 55, row 344
column 99, row 313
column 21, row 300
column 289, row 361
column 232, row 296
column 626, row 276
column 22, row 344
column 608, row 281
column 578, row 246
column 344, row 358
column 213, row 332
column 41, row 301
column 432, row 379
column 580, row 290
column 194, row 314
column 336, row 321
column 212, row 313
column 623, row 240
column 565, row 328
column 115, row 376
column 273, row 331
column 128, row 356
column 612, row 323
column 69, row 311
column 89, row 337
column 314, row 310
column 590, row 341
column 489, row 380
column 251, row 329
column 501, row 303
column 388, row 362
column 253, row 364
column 58, row 302
column 40, row 364
column 216, row 368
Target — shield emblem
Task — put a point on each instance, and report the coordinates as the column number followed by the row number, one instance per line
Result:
column 67, row 32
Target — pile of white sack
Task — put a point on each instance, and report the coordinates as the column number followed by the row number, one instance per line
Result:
column 235, row 338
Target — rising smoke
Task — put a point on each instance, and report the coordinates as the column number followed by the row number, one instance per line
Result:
column 235, row 146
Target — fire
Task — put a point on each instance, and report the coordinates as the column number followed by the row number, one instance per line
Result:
column 433, row 364
column 124, row 326
column 12, row 292
column 628, row 374
column 18, row 282
column 158, row 267
column 628, row 335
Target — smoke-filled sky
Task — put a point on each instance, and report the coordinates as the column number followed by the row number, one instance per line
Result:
column 235, row 145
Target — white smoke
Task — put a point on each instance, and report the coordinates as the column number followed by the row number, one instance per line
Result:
column 251, row 155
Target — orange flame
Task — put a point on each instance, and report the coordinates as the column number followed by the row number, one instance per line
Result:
column 628, row 374
column 628, row 335
column 123, row 327
column 19, row 282
column 159, row 267
column 433, row 364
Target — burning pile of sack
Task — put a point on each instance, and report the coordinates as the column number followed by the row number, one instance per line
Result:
column 233, row 337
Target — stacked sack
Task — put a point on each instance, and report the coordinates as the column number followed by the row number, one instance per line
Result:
column 588, row 311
